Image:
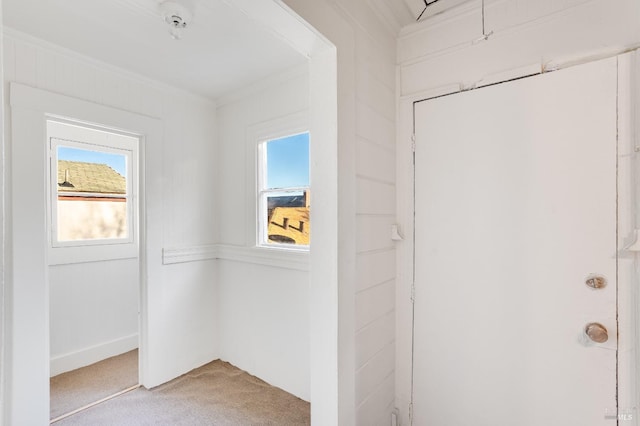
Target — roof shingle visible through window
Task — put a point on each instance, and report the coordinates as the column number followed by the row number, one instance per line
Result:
column 90, row 177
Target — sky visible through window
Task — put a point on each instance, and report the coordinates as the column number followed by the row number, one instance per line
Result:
column 288, row 162
column 116, row 161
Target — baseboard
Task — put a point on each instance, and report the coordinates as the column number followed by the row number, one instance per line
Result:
column 82, row 358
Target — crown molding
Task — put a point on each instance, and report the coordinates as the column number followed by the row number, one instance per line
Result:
column 19, row 36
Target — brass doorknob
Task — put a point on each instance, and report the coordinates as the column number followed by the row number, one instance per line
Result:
column 596, row 332
column 596, row 281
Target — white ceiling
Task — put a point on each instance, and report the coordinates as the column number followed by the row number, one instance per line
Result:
column 222, row 50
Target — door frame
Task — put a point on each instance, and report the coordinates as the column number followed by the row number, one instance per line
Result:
column 90, row 253
column 28, row 376
column 628, row 120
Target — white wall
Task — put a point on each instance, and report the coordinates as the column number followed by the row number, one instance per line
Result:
column 439, row 53
column 437, row 56
column 182, row 331
column 3, row 242
column 263, row 310
column 366, row 102
column 264, row 323
column 93, row 312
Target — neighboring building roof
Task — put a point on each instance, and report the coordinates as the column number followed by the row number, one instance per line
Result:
column 289, row 224
column 89, row 177
column 286, row 201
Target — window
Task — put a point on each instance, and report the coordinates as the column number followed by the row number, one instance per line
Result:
column 92, row 184
column 92, row 200
column 283, row 192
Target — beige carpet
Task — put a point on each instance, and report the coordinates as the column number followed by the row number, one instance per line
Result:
column 215, row 394
column 77, row 388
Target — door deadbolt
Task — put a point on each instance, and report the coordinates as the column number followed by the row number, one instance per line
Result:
column 596, row 281
column 596, row 332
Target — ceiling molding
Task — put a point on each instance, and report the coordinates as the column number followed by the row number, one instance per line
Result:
column 22, row 37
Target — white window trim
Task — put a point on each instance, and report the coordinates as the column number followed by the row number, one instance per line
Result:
column 293, row 124
column 67, row 252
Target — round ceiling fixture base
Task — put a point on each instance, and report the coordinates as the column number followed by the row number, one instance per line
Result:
column 177, row 16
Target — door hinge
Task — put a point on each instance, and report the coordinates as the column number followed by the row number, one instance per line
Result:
column 411, row 413
column 413, row 293
column 413, row 143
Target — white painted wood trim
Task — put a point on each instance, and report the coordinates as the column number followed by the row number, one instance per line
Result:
column 4, row 243
column 87, row 356
column 450, row 18
column 515, row 43
column 172, row 256
column 442, row 19
column 279, row 258
column 31, row 302
column 628, row 261
column 404, row 257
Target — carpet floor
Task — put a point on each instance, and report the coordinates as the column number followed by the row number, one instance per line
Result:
column 77, row 388
column 215, row 394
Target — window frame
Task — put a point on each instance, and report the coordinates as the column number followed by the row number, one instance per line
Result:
column 263, row 194
column 281, row 127
column 79, row 135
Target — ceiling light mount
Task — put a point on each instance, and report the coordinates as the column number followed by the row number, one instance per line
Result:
column 177, row 15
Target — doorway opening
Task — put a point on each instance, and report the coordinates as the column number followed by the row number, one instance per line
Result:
column 94, row 264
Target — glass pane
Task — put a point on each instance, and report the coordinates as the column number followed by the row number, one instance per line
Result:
column 288, row 162
column 288, row 218
column 92, row 195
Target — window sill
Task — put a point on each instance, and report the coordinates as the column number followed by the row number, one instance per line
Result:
column 279, row 258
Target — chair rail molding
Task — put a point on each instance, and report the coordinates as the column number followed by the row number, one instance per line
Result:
column 279, row 258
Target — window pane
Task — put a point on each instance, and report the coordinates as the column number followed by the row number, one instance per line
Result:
column 288, row 162
column 91, row 194
column 288, row 218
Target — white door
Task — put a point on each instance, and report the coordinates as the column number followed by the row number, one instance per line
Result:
column 515, row 209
